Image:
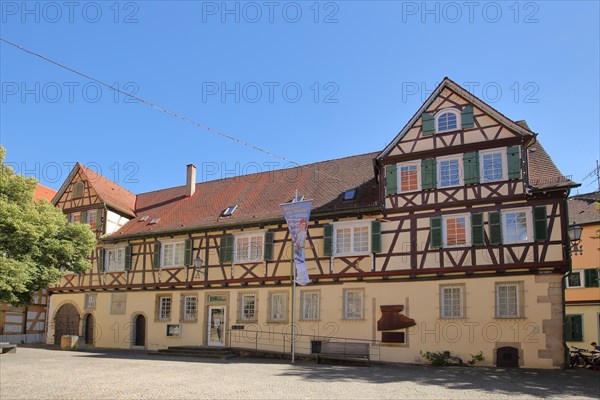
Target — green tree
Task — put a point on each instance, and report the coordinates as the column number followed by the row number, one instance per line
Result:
column 36, row 241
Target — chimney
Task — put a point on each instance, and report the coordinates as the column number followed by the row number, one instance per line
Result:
column 190, row 183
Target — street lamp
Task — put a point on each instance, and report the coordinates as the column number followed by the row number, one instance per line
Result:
column 574, row 232
column 198, row 265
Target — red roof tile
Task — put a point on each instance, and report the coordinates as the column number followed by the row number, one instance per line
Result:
column 584, row 208
column 109, row 192
column 43, row 192
column 258, row 196
column 543, row 173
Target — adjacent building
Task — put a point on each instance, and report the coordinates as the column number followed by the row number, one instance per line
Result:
column 453, row 237
column 582, row 293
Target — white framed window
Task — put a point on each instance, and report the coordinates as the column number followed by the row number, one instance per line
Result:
column 164, row 310
column 447, row 120
column 352, row 238
column 115, row 260
column 74, row 217
column 249, row 247
column 172, row 254
column 278, row 307
column 517, row 226
column 508, row 300
column 493, row 165
column 452, row 301
column 91, row 219
column 309, row 305
column 575, row 280
column 449, row 171
column 409, row 178
column 353, row 303
column 457, row 230
column 190, row 308
column 248, row 307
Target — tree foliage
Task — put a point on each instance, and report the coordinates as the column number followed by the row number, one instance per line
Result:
column 36, row 241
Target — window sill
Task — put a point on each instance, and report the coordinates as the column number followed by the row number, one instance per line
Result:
column 450, row 186
column 508, row 318
column 457, row 246
column 352, row 254
column 353, row 319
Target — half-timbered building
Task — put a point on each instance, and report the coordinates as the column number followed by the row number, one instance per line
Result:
column 450, row 238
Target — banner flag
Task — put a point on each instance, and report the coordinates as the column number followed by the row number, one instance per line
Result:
column 297, row 215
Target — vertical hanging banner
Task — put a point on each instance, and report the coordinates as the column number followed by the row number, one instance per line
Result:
column 297, row 215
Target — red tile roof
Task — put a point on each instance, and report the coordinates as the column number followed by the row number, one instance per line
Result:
column 43, row 192
column 258, row 196
column 585, row 208
column 109, row 192
column 543, row 173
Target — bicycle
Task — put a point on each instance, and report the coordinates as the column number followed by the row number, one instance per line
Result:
column 582, row 358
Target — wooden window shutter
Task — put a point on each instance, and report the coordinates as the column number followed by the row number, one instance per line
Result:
column 189, row 251
column 495, row 222
column 99, row 219
column 428, row 173
column 100, row 260
column 574, row 328
column 269, row 245
column 226, row 250
column 590, row 277
column 467, row 118
column 540, row 223
column 513, row 157
column 83, row 217
column 391, row 179
column 375, row 236
column 428, row 124
column 328, row 240
column 477, row 229
column 435, row 224
column 156, row 256
column 78, row 190
column 128, row 257
column 471, row 167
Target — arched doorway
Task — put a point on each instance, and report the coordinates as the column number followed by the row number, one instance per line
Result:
column 140, row 331
column 66, row 322
column 88, row 329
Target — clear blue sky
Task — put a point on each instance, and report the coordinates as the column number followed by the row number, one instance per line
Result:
column 373, row 63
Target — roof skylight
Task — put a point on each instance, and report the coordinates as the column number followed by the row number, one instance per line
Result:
column 229, row 210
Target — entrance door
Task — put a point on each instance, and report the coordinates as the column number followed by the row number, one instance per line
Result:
column 216, row 326
column 66, row 322
column 89, row 329
column 140, row 331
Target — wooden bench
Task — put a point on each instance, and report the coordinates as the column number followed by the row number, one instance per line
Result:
column 7, row 348
column 345, row 350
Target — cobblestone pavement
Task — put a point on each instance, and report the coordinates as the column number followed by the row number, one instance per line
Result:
column 41, row 373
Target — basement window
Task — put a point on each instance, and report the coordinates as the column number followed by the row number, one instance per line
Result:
column 229, row 210
column 154, row 221
column 350, row 194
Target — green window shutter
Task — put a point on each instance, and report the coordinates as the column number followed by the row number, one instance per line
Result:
column 435, row 224
column 99, row 219
column 514, row 162
column 83, row 217
column 78, row 190
column 156, row 256
column 269, row 245
column 477, row 229
column 375, row 236
column 128, row 257
column 471, row 167
column 189, row 251
column 574, row 328
column 466, row 117
column 495, row 221
column 540, row 223
column 391, row 179
column 100, row 260
column 226, row 250
column 428, row 124
column 591, row 277
column 428, row 173
column 328, row 240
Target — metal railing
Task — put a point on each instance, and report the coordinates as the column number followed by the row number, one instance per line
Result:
column 281, row 342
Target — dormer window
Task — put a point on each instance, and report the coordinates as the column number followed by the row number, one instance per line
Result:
column 229, row 211
column 350, row 194
column 447, row 120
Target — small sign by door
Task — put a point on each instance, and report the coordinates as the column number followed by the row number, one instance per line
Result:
column 216, row 326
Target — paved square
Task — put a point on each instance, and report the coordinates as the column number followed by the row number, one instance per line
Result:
column 36, row 373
